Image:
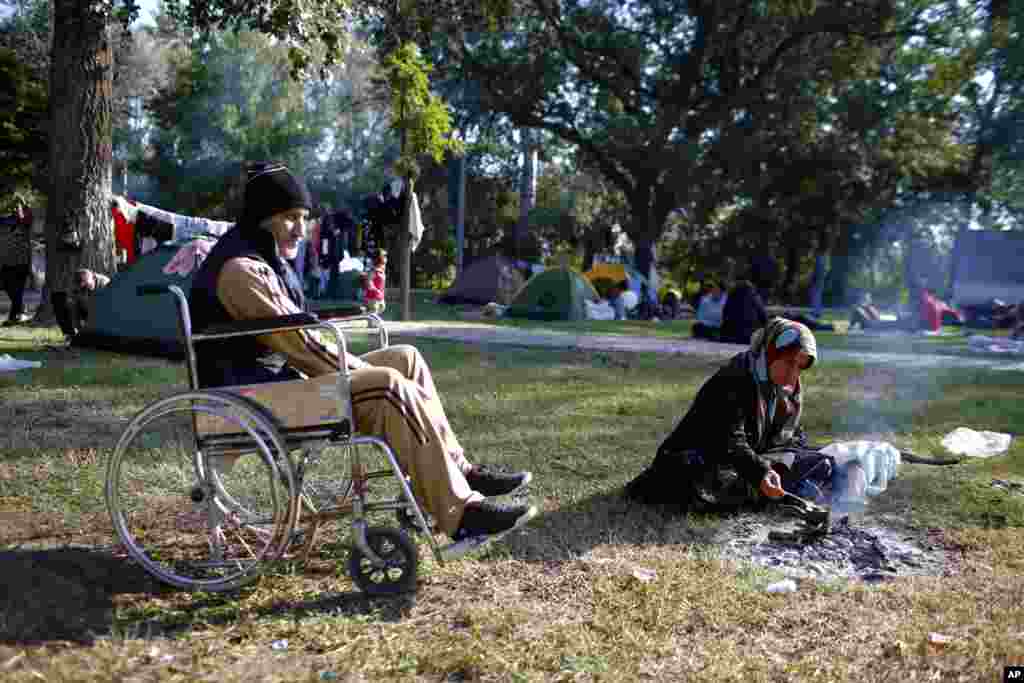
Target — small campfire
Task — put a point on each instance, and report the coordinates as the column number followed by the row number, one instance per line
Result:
column 849, row 547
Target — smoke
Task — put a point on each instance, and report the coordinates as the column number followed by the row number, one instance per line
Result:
column 885, row 400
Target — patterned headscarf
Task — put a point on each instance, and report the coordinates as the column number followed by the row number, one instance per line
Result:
column 777, row 337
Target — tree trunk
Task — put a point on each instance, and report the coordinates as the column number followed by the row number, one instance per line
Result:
column 588, row 253
column 792, row 271
column 645, row 228
column 79, row 231
column 527, row 191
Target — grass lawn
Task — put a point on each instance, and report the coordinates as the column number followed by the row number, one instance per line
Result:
column 952, row 342
column 560, row 602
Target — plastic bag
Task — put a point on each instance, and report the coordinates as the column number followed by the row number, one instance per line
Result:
column 7, row 363
column 964, row 441
column 880, row 460
column 348, row 263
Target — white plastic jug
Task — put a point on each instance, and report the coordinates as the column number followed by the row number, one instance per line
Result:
column 880, row 460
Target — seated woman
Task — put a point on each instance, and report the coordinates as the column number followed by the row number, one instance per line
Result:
column 865, row 315
column 742, row 314
column 740, row 440
column 247, row 277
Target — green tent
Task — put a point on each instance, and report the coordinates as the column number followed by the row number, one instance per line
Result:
column 122, row 320
column 557, row 294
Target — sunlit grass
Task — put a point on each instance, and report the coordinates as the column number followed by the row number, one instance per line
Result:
column 561, row 601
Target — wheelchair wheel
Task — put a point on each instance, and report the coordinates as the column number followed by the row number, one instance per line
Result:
column 401, row 558
column 201, row 492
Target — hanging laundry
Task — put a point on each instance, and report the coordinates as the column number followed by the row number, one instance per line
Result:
column 124, row 213
column 155, row 226
column 189, row 257
column 186, row 227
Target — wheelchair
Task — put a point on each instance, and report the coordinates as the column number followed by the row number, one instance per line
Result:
column 208, row 488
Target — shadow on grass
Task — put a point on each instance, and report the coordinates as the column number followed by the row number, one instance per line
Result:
column 64, row 594
column 609, row 519
column 67, row 594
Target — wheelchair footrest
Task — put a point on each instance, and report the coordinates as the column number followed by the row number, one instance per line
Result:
column 467, row 545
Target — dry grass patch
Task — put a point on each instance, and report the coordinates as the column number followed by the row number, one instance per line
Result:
column 594, row 590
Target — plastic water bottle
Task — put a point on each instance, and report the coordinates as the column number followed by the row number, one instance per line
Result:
column 880, row 460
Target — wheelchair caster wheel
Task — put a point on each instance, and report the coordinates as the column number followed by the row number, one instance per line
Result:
column 407, row 519
column 401, row 558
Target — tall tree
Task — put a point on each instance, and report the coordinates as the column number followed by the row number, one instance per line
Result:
column 651, row 91
column 81, row 91
column 231, row 99
column 423, row 122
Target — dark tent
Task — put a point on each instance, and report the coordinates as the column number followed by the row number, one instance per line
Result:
column 121, row 320
column 494, row 278
column 988, row 264
column 558, row 294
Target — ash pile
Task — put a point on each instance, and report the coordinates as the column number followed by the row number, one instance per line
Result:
column 852, row 547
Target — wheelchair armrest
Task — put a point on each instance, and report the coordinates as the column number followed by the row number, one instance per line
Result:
column 262, row 325
column 329, row 314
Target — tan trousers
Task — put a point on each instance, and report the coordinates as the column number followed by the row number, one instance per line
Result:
column 396, row 399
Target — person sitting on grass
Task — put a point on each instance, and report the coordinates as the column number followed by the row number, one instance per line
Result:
column 1017, row 323
column 741, row 441
column 617, row 299
column 742, row 314
column 864, row 314
column 247, row 277
column 89, row 282
column 709, row 313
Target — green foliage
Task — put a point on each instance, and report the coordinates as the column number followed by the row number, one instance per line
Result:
column 420, row 117
column 313, row 34
column 231, row 100
column 23, row 121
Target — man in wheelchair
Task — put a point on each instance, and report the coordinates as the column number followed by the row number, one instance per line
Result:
column 247, row 276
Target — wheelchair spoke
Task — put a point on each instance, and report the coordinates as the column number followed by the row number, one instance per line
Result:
column 192, row 519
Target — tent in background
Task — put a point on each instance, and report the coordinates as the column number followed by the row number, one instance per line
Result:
column 493, row 278
column 988, row 264
column 617, row 272
column 124, row 321
column 557, row 294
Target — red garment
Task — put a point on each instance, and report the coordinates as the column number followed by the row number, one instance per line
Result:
column 932, row 310
column 375, row 285
column 124, row 233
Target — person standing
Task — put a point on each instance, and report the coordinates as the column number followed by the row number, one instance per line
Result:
column 375, row 284
column 709, row 314
column 16, row 260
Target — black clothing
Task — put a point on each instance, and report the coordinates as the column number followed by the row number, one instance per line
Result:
column 14, row 280
column 702, row 331
column 151, row 226
column 271, row 188
column 238, row 360
column 742, row 314
column 726, row 427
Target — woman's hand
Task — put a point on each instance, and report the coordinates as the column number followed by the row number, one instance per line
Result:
column 771, row 485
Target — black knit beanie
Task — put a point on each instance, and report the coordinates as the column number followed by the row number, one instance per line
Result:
column 271, row 188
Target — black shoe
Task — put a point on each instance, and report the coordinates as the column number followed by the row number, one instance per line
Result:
column 486, row 519
column 491, row 482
